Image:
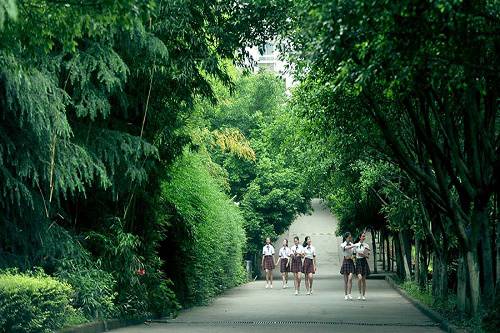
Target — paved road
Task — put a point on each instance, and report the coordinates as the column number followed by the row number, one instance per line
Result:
column 252, row 308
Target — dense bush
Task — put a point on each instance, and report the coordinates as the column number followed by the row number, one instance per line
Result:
column 94, row 292
column 206, row 255
column 33, row 303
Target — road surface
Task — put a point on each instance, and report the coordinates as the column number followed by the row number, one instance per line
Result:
column 252, row 308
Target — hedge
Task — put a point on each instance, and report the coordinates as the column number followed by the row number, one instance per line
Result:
column 209, row 235
column 35, row 303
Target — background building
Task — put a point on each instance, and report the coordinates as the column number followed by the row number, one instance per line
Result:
column 268, row 58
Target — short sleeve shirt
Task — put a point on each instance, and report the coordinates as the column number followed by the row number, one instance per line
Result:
column 297, row 249
column 360, row 249
column 310, row 251
column 348, row 252
column 285, row 252
column 268, row 250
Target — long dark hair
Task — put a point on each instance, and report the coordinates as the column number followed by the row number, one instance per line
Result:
column 346, row 235
column 359, row 237
column 296, row 238
column 305, row 241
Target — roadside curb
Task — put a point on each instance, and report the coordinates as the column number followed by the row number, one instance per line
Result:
column 101, row 326
column 444, row 324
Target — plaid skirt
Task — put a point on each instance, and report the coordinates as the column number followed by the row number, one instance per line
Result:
column 347, row 267
column 296, row 264
column 308, row 266
column 284, row 268
column 269, row 262
column 362, row 267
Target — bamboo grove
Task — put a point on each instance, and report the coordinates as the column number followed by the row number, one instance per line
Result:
column 109, row 155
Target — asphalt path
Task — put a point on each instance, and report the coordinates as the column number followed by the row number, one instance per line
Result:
column 252, row 308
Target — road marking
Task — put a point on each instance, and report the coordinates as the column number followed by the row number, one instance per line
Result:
column 292, row 322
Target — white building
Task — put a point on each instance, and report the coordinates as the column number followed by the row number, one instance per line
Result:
column 270, row 60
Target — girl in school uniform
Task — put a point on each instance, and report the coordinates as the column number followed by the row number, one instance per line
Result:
column 309, row 267
column 284, row 261
column 268, row 262
column 362, row 251
column 297, row 254
column 347, row 269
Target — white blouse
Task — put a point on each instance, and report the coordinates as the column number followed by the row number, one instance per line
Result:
column 268, row 250
column 360, row 249
column 310, row 251
column 285, row 252
column 346, row 252
column 297, row 249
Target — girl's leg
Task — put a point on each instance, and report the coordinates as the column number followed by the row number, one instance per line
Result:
column 286, row 278
column 271, row 277
column 283, row 279
column 310, row 281
column 360, row 281
column 364, row 285
column 345, row 284
column 349, row 283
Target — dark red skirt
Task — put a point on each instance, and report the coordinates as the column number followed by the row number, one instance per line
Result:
column 284, row 268
column 296, row 264
column 347, row 267
column 269, row 262
column 308, row 266
column 362, row 267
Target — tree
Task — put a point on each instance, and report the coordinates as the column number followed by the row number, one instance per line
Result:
column 426, row 74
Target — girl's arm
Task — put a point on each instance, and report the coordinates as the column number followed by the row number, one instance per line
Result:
column 315, row 264
column 262, row 261
column 277, row 262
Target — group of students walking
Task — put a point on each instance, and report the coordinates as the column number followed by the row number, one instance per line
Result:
column 298, row 259
column 301, row 259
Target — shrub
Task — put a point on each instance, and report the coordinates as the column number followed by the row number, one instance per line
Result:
column 33, row 303
column 162, row 299
column 206, row 247
column 491, row 320
column 94, row 291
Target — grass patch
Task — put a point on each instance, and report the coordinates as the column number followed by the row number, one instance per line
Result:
column 446, row 307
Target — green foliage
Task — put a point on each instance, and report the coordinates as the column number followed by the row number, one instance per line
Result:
column 94, row 104
column 413, row 84
column 33, row 303
column 207, row 251
column 491, row 320
column 8, row 9
column 271, row 189
column 94, row 292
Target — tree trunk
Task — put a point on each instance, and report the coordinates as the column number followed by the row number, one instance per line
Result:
column 487, row 260
column 399, row 258
column 393, row 254
column 496, row 203
column 497, row 241
column 382, row 246
column 423, row 265
column 440, row 274
column 417, row 261
column 404, row 256
column 374, row 249
column 473, row 272
column 388, row 248
column 461, row 285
